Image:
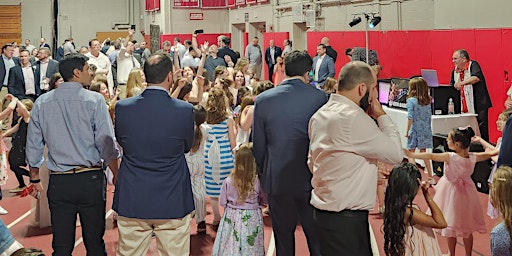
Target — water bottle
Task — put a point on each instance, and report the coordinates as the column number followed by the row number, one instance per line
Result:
column 451, row 107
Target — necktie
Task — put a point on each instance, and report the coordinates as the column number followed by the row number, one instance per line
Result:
column 461, row 72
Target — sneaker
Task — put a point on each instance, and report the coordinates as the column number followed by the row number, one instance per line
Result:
column 201, row 227
column 3, row 211
column 432, row 181
column 16, row 190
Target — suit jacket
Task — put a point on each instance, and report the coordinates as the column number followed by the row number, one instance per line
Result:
column 326, row 69
column 506, row 145
column 53, row 67
column 16, row 85
column 268, row 58
column 280, row 135
column 153, row 180
column 3, row 71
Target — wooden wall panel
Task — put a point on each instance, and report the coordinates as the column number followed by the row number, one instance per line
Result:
column 10, row 18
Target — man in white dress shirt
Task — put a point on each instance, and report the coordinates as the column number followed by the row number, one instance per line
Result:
column 101, row 61
column 345, row 143
column 125, row 63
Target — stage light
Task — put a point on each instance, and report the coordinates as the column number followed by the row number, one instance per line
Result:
column 355, row 21
column 375, row 21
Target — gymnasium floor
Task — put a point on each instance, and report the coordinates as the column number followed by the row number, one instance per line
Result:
column 19, row 218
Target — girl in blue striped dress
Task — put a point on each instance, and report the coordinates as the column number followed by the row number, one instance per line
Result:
column 218, row 155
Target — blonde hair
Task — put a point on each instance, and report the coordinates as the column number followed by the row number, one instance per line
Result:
column 244, row 175
column 216, row 106
column 134, row 80
column 28, row 104
column 418, row 88
column 330, row 85
column 242, row 62
column 501, row 195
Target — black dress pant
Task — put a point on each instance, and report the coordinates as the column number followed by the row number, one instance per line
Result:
column 483, row 123
column 343, row 233
column 84, row 194
column 285, row 211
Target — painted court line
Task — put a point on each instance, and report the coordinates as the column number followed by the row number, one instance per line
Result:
column 81, row 239
column 16, row 221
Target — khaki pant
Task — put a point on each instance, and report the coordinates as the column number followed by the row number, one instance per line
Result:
column 172, row 236
column 122, row 87
column 256, row 69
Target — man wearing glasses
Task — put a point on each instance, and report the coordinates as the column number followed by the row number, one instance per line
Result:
column 468, row 78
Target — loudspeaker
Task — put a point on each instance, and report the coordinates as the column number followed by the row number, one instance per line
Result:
column 439, row 146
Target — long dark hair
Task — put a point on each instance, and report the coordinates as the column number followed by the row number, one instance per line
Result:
column 402, row 188
column 199, row 118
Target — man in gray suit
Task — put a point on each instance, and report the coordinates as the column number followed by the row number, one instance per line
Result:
column 280, row 135
column 323, row 66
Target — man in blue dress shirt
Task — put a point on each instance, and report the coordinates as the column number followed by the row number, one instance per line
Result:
column 75, row 125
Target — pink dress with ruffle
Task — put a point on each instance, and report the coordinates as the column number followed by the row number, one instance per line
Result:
column 457, row 197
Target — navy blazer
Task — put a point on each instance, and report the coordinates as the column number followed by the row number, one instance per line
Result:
column 155, row 131
column 53, row 67
column 326, row 69
column 505, row 157
column 268, row 58
column 2, row 69
column 16, row 84
column 280, row 135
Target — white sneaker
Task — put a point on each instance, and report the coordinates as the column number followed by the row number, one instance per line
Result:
column 3, row 211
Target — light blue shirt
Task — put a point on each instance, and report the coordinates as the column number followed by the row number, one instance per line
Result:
column 75, row 125
column 9, row 63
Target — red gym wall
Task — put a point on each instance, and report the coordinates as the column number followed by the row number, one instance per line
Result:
column 405, row 53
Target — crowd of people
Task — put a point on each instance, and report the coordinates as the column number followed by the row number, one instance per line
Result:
column 214, row 135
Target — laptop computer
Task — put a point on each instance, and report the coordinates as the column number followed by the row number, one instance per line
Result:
column 430, row 76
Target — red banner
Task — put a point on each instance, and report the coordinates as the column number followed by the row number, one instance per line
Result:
column 240, row 2
column 214, row 4
column 152, row 5
column 186, row 3
column 231, row 3
column 251, row 1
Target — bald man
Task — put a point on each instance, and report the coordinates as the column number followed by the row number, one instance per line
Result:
column 330, row 51
column 342, row 159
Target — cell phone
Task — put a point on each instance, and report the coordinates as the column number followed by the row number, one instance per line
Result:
column 132, row 27
column 198, row 31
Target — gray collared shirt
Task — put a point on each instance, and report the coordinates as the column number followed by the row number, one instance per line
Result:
column 75, row 125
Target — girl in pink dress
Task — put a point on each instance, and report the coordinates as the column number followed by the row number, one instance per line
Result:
column 278, row 71
column 456, row 193
column 408, row 230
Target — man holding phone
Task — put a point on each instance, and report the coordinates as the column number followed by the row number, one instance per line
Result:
column 125, row 62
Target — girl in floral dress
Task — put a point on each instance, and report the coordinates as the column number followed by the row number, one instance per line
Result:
column 241, row 227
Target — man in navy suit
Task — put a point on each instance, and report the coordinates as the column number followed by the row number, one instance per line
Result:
column 7, row 61
column 21, row 79
column 280, row 135
column 323, row 66
column 153, row 190
column 45, row 68
column 271, row 54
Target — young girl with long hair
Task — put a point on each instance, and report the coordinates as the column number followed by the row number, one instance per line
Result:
column 407, row 229
column 501, row 198
column 241, row 228
column 419, row 112
column 17, row 159
column 220, row 142
column 278, row 71
column 195, row 162
column 456, row 193
column 136, row 82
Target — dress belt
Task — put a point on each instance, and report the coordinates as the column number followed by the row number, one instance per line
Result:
column 78, row 170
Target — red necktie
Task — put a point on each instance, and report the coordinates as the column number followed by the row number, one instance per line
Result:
column 462, row 95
